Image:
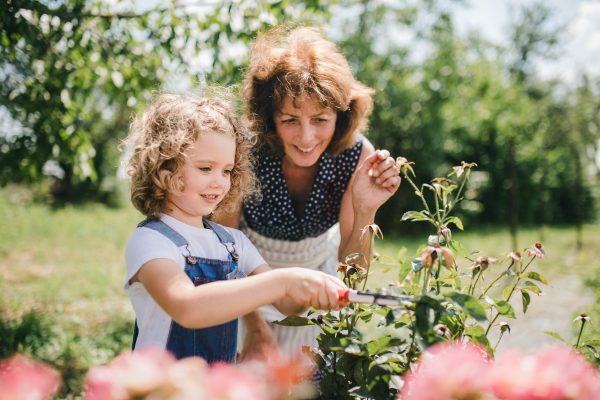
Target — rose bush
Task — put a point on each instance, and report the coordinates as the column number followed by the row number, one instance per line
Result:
column 449, row 289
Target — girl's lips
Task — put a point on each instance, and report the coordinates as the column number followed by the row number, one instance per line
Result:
column 210, row 198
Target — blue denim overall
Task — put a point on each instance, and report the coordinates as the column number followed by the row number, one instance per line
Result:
column 217, row 343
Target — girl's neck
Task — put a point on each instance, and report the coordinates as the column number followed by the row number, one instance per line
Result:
column 175, row 212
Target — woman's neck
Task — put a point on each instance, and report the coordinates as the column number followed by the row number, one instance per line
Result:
column 299, row 182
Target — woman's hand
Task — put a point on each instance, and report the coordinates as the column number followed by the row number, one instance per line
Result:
column 259, row 343
column 376, row 180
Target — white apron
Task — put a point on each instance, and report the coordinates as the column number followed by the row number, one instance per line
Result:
column 318, row 253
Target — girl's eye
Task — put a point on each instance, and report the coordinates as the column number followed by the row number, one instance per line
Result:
column 227, row 172
column 288, row 121
column 321, row 120
column 204, row 169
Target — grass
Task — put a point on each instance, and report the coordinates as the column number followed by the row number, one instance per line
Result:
column 62, row 271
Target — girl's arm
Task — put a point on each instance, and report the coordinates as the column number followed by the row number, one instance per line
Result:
column 219, row 302
column 375, row 180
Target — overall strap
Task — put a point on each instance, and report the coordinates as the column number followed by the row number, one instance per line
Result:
column 166, row 230
column 224, row 237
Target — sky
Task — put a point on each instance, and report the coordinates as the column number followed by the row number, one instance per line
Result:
column 581, row 45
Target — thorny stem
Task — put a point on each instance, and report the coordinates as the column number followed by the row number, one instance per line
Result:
column 446, row 212
column 511, row 292
column 439, row 270
column 581, row 330
column 475, row 283
column 496, row 280
column 420, row 195
column 437, row 207
column 370, row 260
column 498, row 342
column 427, row 279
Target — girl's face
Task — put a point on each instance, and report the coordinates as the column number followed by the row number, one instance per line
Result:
column 207, row 178
column 305, row 131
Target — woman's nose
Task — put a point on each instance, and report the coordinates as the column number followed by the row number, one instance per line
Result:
column 307, row 132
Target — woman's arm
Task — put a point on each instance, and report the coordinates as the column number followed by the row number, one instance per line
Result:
column 219, row 302
column 375, row 180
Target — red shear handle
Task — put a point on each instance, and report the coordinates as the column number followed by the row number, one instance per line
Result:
column 343, row 295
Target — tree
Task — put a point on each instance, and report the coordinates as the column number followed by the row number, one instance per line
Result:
column 72, row 75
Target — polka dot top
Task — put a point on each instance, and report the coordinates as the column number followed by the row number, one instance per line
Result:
column 275, row 217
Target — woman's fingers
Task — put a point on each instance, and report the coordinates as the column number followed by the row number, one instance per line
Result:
column 387, row 174
column 384, row 165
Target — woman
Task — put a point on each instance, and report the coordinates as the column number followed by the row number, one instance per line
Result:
column 316, row 168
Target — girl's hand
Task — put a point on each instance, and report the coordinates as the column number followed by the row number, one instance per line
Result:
column 375, row 182
column 313, row 288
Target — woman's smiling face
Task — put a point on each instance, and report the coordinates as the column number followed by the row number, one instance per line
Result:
column 305, row 131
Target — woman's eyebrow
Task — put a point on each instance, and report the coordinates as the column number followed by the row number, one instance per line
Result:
column 297, row 116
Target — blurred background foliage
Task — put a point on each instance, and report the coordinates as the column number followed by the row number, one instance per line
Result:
column 72, row 73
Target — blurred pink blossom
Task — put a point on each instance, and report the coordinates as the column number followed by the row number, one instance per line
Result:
column 130, row 374
column 447, row 371
column 555, row 374
column 22, row 378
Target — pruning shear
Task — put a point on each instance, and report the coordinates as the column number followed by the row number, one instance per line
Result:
column 381, row 297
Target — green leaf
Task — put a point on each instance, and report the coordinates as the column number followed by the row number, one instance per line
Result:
column 526, row 300
column 416, row 264
column 532, row 287
column 458, row 248
column 507, row 291
column 385, row 342
column 378, row 380
column 329, row 330
column 505, row 309
column 385, row 260
column 414, row 216
column 344, row 345
column 366, row 317
column 555, row 335
column 404, row 269
column 468, row 304
column 294, row 320
column 352, row 256
column 477, row 335
column 592, row 350
column 358, row 374
column 536, row 276
column 456, row 221
column 593, row 342
column 508, row 272
column 401, row 254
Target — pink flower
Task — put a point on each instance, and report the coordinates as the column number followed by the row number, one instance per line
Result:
column 225, row 381
column 130, row 374
column 448, row 371
column 24, row 378
column 556, row 374
column 536, row 249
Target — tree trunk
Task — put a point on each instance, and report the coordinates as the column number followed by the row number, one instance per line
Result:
column 514, row 192
column 578, row 196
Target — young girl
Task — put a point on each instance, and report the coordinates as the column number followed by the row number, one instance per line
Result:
column 191, row 160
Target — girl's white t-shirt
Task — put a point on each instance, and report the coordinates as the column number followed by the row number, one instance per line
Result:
column 147, row 244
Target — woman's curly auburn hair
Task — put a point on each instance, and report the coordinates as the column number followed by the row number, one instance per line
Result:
column 159, row 138
column 292, row 62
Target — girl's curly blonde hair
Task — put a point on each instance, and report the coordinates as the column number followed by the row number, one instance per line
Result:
column 160, row 136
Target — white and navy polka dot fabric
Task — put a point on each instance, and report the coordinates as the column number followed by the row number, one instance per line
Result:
column 274, row 217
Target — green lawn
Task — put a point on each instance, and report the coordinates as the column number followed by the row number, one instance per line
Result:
column 68, row 266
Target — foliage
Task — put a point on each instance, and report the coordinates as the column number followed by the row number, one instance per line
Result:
column 39, row 337
column 445, row 304
column 72, row 73
column 463, row 97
